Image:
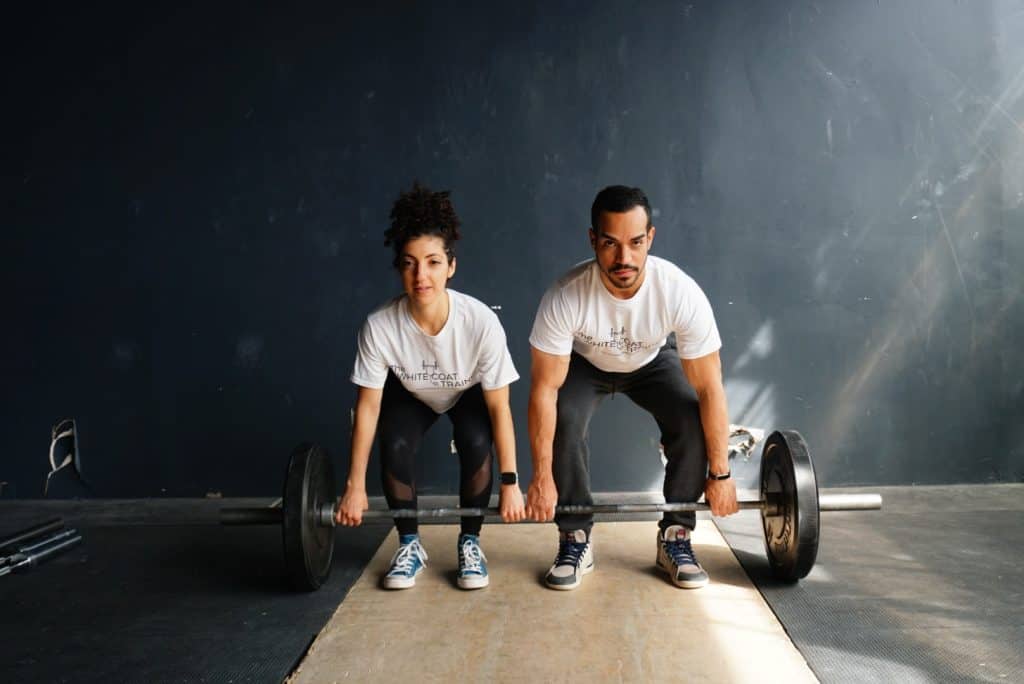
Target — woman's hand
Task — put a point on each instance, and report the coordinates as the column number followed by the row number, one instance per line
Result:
column 351, row 506
column 511, row 504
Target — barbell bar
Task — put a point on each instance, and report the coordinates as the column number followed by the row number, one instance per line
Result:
column 325, row 516
column 789, row 502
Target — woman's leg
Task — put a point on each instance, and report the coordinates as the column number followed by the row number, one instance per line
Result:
column 403, row 421
column 474, row 442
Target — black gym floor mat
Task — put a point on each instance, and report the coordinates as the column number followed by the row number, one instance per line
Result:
column 929, row 590
column 159, row 603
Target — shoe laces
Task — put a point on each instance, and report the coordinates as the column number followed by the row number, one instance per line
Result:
column 406, row 557
column 680, row 551
column 471, row 555
column 570, row 552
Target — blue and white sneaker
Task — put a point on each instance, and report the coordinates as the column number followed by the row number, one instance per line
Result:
column 575, row 559
column 472, row 563
column 408, row 561
column 675, row 556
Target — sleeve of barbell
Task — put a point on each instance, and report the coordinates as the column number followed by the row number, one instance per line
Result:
column 849, row 502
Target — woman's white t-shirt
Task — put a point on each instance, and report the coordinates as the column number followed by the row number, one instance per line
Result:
column 621, row 335
column 436, row 369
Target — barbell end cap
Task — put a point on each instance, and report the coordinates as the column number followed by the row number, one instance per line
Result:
column 326, row 516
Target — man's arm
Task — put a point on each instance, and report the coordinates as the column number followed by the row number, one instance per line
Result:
column 354, row 501
column 547, row 374
column 705, row 375
column 510, row 498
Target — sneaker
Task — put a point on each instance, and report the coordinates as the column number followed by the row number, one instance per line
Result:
column 408, row 561
column 472, row 563
column 575, row 559
column 675, row 556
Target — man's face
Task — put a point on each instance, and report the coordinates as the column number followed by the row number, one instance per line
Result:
column 621, row 242
column 425, row 269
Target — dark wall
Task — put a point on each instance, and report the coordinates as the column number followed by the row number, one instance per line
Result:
column 194, row 207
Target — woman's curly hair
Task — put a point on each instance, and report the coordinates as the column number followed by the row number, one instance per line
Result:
column 420, row 212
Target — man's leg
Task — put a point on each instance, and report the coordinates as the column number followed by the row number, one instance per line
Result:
column 582, row 391
column 580, row 394
column 661, row 388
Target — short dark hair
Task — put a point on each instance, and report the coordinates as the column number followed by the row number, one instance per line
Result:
column 618, row 199
column 421, row 211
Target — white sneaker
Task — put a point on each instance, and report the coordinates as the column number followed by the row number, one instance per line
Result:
column 676, row 557
column 575, row 559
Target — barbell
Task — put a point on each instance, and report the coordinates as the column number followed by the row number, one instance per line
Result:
column 789, row 503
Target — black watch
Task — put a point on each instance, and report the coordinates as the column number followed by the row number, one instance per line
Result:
column 724, row 476
column 509, row 479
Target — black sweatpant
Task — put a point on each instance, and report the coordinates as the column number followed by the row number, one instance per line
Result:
column 404, row 420
column 661, row 388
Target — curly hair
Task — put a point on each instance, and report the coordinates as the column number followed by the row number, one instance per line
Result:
column 420, row 212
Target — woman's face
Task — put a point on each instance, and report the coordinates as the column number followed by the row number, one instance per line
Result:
column 425, row 269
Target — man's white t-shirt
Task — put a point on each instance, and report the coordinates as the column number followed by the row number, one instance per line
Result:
column 621, row 335
column 436, row 369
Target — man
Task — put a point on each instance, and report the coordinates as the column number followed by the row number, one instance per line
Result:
column 601, row 329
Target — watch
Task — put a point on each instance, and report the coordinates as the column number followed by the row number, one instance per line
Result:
column 724, row 476
column 509, row 478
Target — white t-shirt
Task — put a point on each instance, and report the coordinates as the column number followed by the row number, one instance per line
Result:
column 621, row 335
column 437, row 369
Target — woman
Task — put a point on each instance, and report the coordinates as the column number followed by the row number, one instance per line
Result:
column 431, row 351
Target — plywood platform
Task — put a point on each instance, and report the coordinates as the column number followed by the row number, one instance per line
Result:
column 625, row 623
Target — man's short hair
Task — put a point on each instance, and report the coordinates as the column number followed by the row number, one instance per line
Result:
column 618, row 199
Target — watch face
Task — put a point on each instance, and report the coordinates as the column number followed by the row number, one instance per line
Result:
column 509, row 479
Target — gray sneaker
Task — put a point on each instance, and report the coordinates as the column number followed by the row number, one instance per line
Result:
column 675, row 556
column 575, row 559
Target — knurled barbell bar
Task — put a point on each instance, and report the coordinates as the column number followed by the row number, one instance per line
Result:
column 789, row 503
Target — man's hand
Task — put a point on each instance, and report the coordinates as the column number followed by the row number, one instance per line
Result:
column 721, row 496
column 541, row 498
column 351, row 507
column 511, row 504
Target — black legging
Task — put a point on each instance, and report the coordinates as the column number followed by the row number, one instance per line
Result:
column 404, row 420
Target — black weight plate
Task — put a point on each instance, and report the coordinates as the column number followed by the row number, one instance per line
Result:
column 790, row 520
column 308, row 546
